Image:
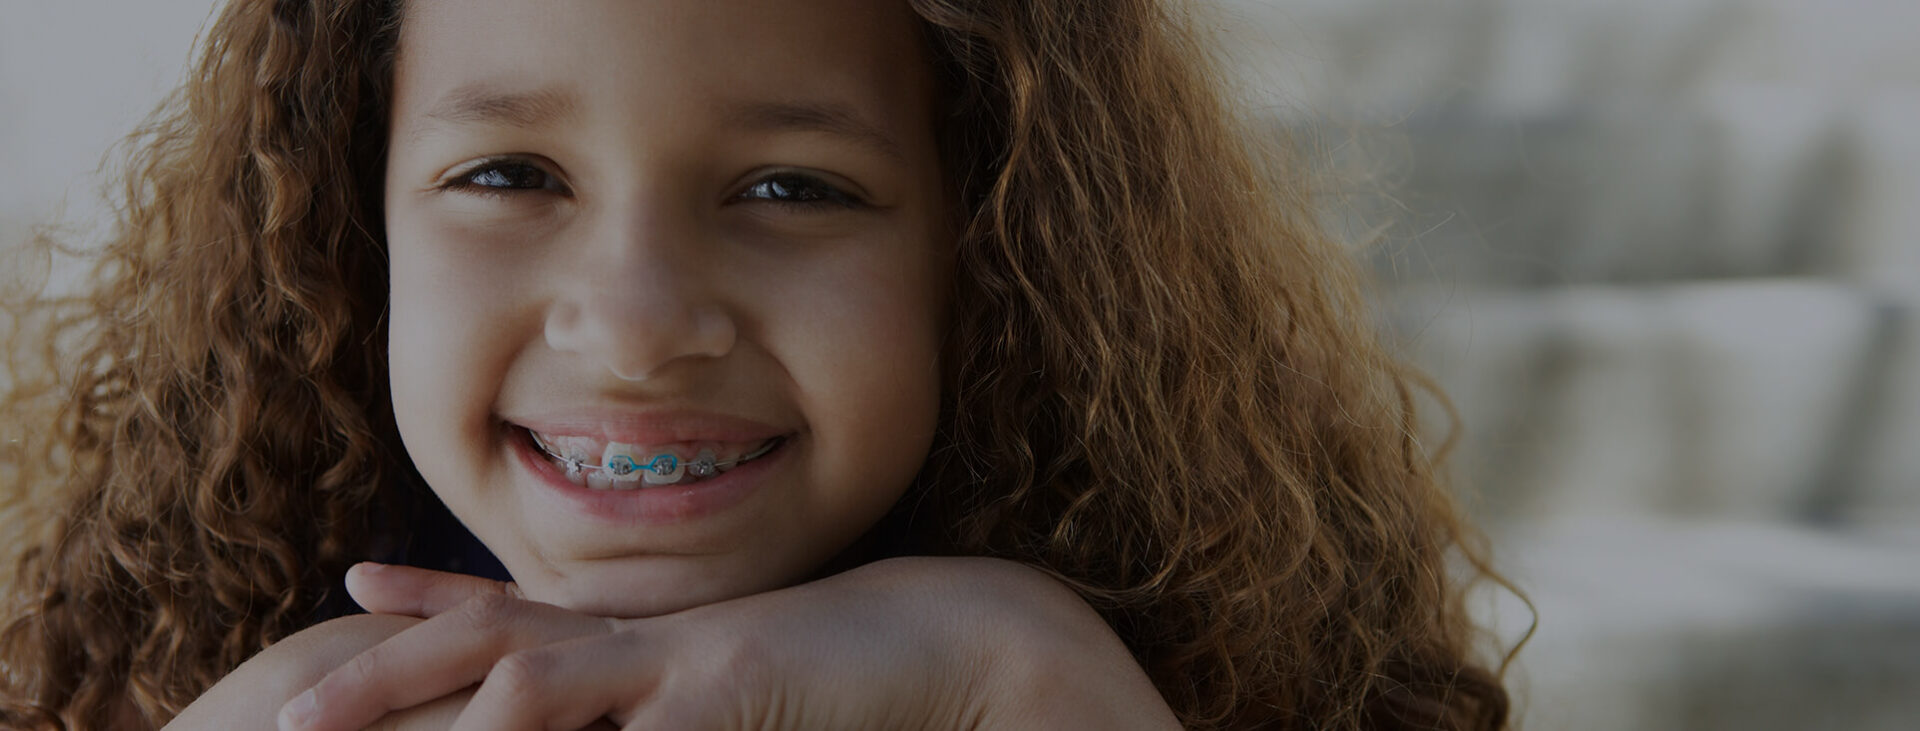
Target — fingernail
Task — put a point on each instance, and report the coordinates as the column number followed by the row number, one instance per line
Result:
column 369, row 567
column 295, row 715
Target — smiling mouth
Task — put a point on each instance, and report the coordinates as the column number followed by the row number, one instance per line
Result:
column 617, row 466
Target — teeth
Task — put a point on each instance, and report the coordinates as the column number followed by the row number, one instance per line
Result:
column 621, row 461
column 666, row 469
column 572, row 449
column 597, row 480
column 626, row 467
column 704, row 464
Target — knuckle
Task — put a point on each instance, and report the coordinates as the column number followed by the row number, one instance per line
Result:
column 317, row 653
column 522, row 676
column 491, row 613
column 689, row 711
column 359, row 673
column 355, row 682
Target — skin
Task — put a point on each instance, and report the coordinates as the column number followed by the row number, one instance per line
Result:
column 634, row 239
column 927, row 643
column 642, row 267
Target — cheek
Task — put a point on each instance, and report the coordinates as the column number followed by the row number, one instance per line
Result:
column 861, row 342
column 441, row 334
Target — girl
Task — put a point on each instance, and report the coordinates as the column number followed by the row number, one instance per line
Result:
column 732, row 330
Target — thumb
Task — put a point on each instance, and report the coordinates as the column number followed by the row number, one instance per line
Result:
column 389, row 589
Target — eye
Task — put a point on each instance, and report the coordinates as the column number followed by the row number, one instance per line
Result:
column 800, row 190
column 504, row 177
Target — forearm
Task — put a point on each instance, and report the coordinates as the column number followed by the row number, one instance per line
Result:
column 251, row 695
column 1045, row 659
column 1087, row 692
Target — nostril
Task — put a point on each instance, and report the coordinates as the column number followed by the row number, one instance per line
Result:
column 624, row 375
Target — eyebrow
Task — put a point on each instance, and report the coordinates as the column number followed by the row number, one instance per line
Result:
column 831, row 119
column 485, row 104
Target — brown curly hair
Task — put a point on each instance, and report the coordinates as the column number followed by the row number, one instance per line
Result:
column 1161, row 385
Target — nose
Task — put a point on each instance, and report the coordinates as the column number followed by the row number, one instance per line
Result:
column 638, row 303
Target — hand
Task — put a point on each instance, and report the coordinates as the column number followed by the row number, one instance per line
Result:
column 250, row 695
column 906, row 643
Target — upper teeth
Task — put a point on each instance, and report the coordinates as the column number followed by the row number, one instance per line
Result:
column 620, row 462
column 628, row 464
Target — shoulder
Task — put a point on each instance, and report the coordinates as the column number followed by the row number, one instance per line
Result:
column 251, row 695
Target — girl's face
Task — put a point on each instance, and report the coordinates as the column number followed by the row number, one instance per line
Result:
column 661, row 227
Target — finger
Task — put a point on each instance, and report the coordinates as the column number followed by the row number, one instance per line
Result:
column 566, row 685
column 437, row 713
column 389, row 589
column 695, row 713
column 431, row 659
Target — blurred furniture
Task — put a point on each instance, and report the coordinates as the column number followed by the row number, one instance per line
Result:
column 1664, row 257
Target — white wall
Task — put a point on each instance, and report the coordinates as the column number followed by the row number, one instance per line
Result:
column 75, row 77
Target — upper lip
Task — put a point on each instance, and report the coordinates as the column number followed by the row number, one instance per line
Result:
column 661, row 426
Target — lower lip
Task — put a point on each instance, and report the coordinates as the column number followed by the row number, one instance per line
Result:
column 664, row 505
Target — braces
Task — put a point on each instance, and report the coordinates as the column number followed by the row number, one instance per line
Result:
column 661, row 464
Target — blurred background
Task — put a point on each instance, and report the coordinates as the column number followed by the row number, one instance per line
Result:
column 1664, row 256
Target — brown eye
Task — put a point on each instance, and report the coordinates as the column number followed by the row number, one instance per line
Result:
column 505, row 177
column 799, row 190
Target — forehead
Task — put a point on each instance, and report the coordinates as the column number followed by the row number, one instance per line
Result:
column 642, row 60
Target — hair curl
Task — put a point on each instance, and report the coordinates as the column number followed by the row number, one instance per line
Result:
column 1141, row 285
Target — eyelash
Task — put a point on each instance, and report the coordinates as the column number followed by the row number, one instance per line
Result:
column 466, row 182
column 815, row 193
column 811, row 193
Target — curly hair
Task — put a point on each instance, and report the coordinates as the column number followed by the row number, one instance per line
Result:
column 1160, row 385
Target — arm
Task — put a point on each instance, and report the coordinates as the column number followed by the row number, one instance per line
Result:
column 253, row 693
column 908, row 643
column 1056, row 662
